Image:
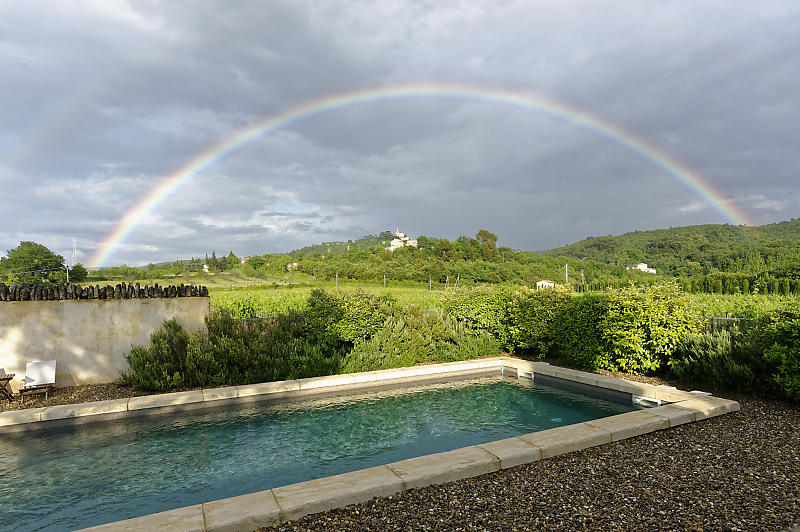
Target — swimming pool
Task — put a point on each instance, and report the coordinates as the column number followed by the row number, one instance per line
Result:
column 80, row 476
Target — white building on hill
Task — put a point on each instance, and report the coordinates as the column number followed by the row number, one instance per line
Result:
column 642, row 267
column 544, row 283
column 401, row 240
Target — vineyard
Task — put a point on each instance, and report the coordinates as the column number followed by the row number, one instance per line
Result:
column 273, row 299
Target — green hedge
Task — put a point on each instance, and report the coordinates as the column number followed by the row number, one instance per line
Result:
column 350, row 315
column 518, row 317
column 633, row 329
column 578, row 333
column 412, row 335
column 643, row 326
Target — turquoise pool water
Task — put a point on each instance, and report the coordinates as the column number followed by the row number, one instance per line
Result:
column 98, row 473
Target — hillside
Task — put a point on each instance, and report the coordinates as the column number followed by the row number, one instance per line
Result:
column 341, row 248
column 695, row 250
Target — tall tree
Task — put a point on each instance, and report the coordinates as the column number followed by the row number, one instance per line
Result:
column 488, row 244
column 32, row 263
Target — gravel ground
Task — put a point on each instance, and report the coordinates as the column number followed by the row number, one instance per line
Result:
column 740, row 471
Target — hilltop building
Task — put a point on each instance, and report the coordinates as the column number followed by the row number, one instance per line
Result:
column 642, row 267
column 544, row 283
column 401, row 240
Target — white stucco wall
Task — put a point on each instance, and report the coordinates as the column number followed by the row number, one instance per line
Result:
column 88, row 338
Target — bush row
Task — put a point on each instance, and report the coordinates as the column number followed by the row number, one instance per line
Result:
column 629, row 329
column 637, row 330
column 336, row 332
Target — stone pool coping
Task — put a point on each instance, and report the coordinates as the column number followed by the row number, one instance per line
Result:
column 285, row 503
column 60, row 415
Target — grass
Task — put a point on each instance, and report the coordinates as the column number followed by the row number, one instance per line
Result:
column 274, row 299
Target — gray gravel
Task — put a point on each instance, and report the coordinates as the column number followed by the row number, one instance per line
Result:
column 737, row 472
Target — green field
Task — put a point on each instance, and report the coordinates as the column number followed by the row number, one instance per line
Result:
column 270, row 300
column 738, row 305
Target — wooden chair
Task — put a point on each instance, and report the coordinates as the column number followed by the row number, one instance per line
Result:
column 40, row 377
column 5, row 387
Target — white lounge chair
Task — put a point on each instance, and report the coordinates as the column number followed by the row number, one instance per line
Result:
column 40, row 377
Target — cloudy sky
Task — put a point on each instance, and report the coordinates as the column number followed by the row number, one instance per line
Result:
column 103, row 100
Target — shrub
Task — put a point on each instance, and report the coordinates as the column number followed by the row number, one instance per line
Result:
column 644, row 325
column 779, row 333
column 483, row 308
column 232, row 352
column 529, row 317
column 162, row 365
column 244, row 309
column 411, row 335
column 717, row 360
column 578, row 335
column 519, row 318
column 349, row 315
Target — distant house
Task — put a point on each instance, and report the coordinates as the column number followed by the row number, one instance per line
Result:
column 642, row 267
column 401, row 240
column 205, row 268
column 292, row 266
column 544, row 283
column 244, row 259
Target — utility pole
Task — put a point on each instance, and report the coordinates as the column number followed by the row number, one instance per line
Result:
column 337, row 279
column 384, row 280
column 430, row 283
column 583, row 280
column 566, row 272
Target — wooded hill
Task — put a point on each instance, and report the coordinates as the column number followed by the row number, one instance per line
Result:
column 341, row 247
column 703, row 258
column 696, row 250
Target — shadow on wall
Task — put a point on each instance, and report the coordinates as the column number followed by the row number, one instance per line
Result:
column 88, row 338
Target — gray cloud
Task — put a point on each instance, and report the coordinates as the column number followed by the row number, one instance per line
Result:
column 103, row 100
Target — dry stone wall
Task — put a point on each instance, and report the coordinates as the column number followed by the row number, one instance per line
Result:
column 29, row 292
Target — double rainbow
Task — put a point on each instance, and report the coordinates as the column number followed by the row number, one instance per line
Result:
column 611, row 132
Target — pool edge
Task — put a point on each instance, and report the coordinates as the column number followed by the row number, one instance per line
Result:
column 286, row 503
column 95, row 411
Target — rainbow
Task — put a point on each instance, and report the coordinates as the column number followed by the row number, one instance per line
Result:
column 611, row 132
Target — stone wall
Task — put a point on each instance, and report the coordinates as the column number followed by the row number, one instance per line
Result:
column 29, row 292
column 89, row 337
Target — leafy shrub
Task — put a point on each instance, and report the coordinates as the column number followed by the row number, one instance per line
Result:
column 483, row 308
column 411, row 335
column 780, row 335
column 349, row 315
column 578, row 335
column 244, row 309
column 643, row 326
column 519, row 317
column 529, row 316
